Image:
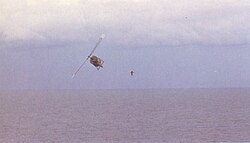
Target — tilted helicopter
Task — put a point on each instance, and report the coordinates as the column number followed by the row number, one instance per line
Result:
column 97, row 62
column 94, row 60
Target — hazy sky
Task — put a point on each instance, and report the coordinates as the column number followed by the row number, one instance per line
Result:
column 183, row 44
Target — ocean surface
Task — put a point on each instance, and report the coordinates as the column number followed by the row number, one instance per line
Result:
column 125, row 116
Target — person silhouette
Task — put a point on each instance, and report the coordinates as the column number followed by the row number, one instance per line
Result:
column 131, row 73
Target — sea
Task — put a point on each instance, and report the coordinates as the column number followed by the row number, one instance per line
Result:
column 125, row 116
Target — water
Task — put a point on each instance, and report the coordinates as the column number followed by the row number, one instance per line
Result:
column 125, row 116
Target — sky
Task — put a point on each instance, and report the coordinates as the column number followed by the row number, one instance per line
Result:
column 168, row 44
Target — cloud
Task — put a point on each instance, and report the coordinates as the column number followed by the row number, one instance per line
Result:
column 12, row 33
column 138, row 23
column 42, row 43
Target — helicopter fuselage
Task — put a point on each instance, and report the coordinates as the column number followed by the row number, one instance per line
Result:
column 97, row 62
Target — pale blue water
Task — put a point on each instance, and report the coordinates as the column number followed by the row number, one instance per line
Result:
column 125, row 116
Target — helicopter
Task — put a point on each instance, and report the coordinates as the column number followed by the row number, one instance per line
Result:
column 94, row 60
column 97, row 62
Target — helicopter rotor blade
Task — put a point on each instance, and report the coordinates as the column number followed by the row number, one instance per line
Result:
column 97, row 44
column 79, row 67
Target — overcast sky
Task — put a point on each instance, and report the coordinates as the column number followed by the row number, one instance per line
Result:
column 168, row 44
